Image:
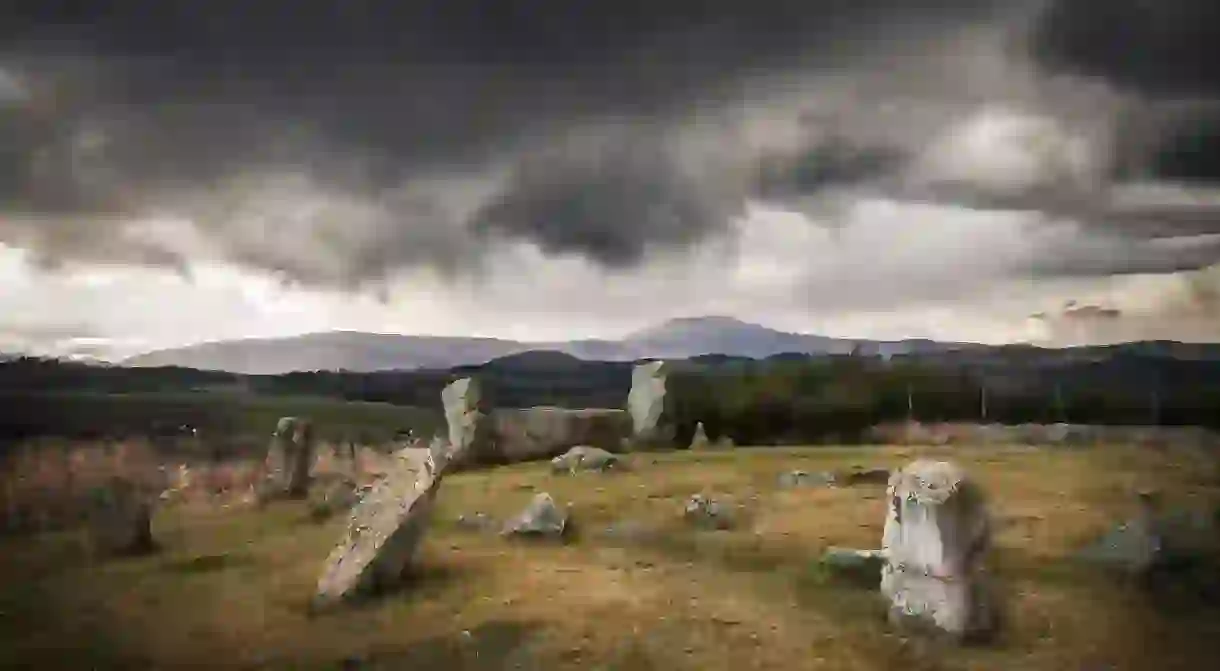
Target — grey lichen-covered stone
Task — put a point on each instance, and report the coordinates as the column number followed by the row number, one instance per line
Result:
column 120, row 519
column 468, row 421
column 937, row 533
column 585, row 458
column 707, row 513
column 541, row 518
column 525, row 434
column 385, row 530
column 1153, row 541
column 646, row 403
column 289, row 459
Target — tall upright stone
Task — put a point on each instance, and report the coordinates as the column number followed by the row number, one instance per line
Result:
column 699, row 441
column 289, row 458
column 646, row 403
column 470, row 435
column 936, row 537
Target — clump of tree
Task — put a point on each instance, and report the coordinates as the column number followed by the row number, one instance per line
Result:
column 837, row 399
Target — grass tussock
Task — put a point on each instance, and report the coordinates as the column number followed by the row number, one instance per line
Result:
column 637, row 589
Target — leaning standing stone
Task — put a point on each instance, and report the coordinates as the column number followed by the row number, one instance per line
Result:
column 384, row 531
column 936, row 537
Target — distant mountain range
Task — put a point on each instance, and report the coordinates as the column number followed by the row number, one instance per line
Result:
column 365, row 352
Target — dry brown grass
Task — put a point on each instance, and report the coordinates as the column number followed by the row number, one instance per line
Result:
column 229, row 588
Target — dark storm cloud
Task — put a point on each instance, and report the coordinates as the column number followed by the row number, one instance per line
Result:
column 125, row 107
column 1158, row 47
column 611, row 197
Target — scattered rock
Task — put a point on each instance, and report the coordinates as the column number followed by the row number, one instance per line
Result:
column 937, row 534
column 120, row 519
column 384, row 531
column 857, row 566
column 1155, row 543
column 705, row 512
column 541, row 518
column 585, row 458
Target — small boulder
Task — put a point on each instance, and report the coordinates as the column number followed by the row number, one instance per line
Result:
column 540, row 519
column 707, row 513
column 585, row 458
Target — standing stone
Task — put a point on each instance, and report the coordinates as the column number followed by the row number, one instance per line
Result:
column 289, row 458
column 936, row 536
column 385, row 530
column 120, row 519
column 469, row 427
column 646, row 403
column 699, row 441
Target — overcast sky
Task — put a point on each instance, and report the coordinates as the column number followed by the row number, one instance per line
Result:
column 189, row 171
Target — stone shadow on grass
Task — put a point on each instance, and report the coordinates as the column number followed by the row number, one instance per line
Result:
column 416, row 580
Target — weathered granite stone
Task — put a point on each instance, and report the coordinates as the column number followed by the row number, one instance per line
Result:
column 646, row 403
column 384, row 530
column 120, row 519
column 707, row 513
column 936, row 536
column 527, row 434
column 541, row 518
column 585, row 458
column 469, row 426
column 289, row 459
column 1153, row 541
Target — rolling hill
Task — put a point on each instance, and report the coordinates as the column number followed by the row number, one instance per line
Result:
column 365, row 352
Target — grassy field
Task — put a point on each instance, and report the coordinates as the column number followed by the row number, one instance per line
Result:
column 218, row 415
column 229, row 588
